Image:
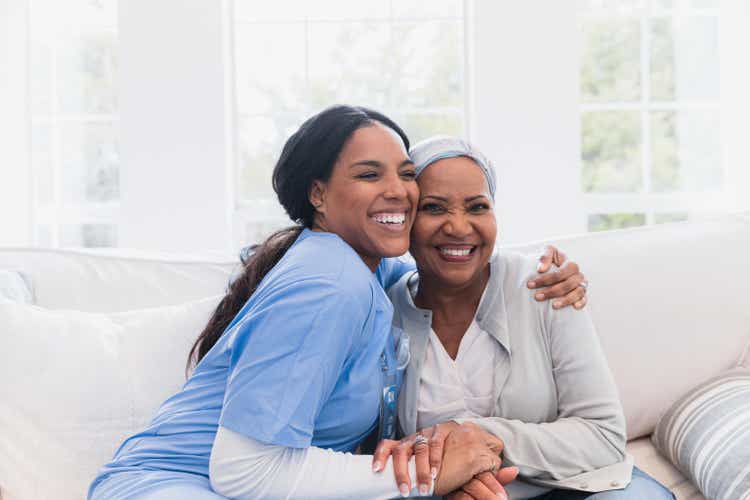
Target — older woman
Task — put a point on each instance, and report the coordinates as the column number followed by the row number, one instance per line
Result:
column 484, row 351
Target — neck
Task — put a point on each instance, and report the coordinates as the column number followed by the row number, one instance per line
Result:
column 371, row 262
column 451, row 301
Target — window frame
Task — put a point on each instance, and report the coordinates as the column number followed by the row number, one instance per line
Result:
column 58, row 213
column 645, row 200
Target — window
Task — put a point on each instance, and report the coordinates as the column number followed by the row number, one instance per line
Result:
column 650, row 114
column 73, row 122
column 293, row 58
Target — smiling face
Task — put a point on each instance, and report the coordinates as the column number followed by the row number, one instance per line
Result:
column 455, row 228
column 370, row 199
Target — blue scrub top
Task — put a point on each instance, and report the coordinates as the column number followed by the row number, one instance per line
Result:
column 299, row 365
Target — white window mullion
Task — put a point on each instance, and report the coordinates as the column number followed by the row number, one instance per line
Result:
column 645, row 100
column 16, row 207
column 52, row 219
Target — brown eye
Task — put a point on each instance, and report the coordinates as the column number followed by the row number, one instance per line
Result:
column 432, row 208
column 478, row 208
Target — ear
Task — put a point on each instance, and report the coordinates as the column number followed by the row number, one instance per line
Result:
column 317, row 196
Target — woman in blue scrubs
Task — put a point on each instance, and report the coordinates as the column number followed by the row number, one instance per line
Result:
column 305, row 361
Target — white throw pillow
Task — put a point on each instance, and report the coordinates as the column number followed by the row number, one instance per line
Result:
column 74, row 385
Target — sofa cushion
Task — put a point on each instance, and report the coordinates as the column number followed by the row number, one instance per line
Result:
column 75, row 384
column 648, row 459
column 706, row 434
column 116, row 281
column 670, row 305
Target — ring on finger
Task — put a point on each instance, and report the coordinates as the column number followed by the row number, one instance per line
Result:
column 420, row 440
column 585, row 285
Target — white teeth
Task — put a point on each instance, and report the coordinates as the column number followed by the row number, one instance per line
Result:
column 390, row 218
column 455, row 252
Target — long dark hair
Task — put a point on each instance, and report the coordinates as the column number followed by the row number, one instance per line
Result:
column 308, row 155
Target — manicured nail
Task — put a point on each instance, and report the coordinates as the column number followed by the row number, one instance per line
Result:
column 532, row 284
column 502, row 496
column 404, row 489
column 556, row 305
column 377, row 466
column 424, row 489
column 539, row 266
column 539, row 296
column 433, row 472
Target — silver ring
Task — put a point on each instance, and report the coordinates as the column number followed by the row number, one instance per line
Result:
column 585, row 285
column 420, row 440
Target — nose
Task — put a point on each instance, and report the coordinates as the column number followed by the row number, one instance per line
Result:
column 457, row 225
column 395, row 188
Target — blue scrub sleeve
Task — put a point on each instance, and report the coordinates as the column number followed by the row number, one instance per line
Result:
column 391, row 269
column 286, row 356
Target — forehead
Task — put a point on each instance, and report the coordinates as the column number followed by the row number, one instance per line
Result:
column 450, row 177
column 374, row 141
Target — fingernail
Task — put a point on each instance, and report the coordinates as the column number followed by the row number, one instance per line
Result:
column 376, row 467
column 532, row 284
column 502, row 496
column 433, row 472
column 424, row 489
column 539, row 266
column 556, row 304
column 539, row 296
column 404, row 489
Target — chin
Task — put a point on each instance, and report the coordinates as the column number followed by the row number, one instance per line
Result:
column 394, row 250
column 456, row 279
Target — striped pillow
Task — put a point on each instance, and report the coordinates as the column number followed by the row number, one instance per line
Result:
column 706, row 434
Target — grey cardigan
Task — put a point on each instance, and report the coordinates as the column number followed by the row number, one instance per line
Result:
column 557, row 407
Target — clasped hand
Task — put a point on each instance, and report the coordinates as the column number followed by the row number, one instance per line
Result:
column 464, row 461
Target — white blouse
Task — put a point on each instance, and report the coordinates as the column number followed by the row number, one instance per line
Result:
column 460, row 388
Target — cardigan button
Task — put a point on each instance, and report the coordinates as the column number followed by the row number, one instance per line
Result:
column 614, row 484
column 584, row 486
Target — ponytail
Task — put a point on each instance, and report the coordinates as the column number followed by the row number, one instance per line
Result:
column 256, row 266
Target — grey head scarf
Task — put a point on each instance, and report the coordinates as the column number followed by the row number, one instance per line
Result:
column 439, row 147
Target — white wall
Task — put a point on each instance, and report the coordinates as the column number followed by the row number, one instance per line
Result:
column 524, row 111
column 15, row 176
column 175, row 187
column 735, row 92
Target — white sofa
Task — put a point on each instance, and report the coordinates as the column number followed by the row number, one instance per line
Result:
column 669, row 302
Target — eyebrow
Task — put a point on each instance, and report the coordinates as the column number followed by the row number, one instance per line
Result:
column 377, row 164
column 445, row 200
